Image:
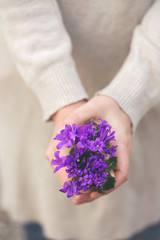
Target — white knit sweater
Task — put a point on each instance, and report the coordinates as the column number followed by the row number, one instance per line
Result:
column 42, row 48
column 58, row 49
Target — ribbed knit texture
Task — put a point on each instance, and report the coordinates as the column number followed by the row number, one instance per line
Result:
column 46, row 64
column 59, row 87
column 136, row 87
column 42, row 52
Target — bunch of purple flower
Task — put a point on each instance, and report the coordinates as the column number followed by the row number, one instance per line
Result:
column 90, row 159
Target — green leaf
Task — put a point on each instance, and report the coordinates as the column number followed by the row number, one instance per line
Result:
column 107, row 144
column 109, row 183
column 112, row 163
column 71, row 151
column 85, row 154
column 94, row 138
column 100, row 190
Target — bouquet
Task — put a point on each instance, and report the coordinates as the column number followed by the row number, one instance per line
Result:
column 90, row 159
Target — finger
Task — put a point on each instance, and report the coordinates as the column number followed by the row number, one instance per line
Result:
column 121, row 173
column 82, row 194
column 83, row 198
column 123, row 154
column 51, row 148
column 83, row 114
column 61, row 173
column 62, row 176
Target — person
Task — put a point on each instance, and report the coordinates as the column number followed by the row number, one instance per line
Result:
column 59, row 48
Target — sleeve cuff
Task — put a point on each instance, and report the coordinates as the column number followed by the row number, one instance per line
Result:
column 58, row 87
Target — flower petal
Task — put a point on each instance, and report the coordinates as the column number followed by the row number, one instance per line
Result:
column 57, row 168
column 60, row 145
column 56, row 154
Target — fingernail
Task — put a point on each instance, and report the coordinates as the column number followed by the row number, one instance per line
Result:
column 112, row 173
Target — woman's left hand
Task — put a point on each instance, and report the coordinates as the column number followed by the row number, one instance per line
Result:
column 106, row 108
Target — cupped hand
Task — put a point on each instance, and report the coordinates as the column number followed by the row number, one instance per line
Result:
column 80, row 113
column 61, row 118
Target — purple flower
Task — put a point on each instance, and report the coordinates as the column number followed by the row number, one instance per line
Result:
column 65, row 137
column 99, row 164
column 77, row 153
column 70, row 188
column 87, row 180
column 60, row 161
column 111, row 151
column 83, row 143
column 104, row 126
column 97, row 145
column 73, row 165
column 98, row 180
column 111, row 137
column 86, row 163
column 105, row 132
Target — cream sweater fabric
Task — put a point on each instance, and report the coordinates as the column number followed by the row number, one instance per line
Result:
column 41, row 49
column 60, row 48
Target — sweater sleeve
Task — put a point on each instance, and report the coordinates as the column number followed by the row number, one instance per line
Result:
column 41, row 49
column 136, row 87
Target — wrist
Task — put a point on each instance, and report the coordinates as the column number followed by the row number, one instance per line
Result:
column 106, row 102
